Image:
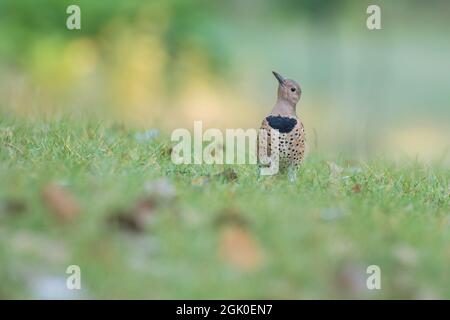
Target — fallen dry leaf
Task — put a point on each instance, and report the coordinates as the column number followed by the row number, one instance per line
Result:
column 231, row 215
column 61, row 202
column 356, row 188
column 13, row 206
column 239, row 248
column 126, row 221
column 137, row 218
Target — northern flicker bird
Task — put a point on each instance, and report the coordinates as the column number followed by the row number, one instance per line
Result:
column 290, row 149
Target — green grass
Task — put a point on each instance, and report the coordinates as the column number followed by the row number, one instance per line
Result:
column 317, row 236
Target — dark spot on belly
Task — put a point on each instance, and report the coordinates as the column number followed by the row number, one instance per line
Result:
column 282, row 124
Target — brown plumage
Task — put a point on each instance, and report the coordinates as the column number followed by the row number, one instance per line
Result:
column 283, row 118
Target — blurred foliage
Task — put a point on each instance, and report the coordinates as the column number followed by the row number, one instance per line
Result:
column 181, row 24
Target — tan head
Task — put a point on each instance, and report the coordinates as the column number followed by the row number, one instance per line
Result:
column 288, row 90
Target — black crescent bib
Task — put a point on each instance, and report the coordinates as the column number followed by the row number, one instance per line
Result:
column 282, row 124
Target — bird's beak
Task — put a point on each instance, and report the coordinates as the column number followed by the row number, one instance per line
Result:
column 279, row 78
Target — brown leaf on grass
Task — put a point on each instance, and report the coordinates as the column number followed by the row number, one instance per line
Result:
column 126, row 221
column 231, row 215
column 13, row 206
column 140, row 214
column 356, row 188
column 61, row 202
column 137, row 218
column 239, row 248
column 237, row 244
column 228, row 175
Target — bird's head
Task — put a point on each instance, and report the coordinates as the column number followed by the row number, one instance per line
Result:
column 288, row 90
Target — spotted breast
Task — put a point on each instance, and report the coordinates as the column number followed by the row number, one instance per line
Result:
column 291, row 146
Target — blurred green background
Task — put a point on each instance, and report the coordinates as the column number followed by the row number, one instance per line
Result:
column 166, row 63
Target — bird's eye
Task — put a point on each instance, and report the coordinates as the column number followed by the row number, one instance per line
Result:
column 293, row 89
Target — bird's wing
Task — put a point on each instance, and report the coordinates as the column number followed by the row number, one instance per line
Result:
column 264, row 143
column 297, row 143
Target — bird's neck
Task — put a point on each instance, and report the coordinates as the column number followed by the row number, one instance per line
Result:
column 284, row 108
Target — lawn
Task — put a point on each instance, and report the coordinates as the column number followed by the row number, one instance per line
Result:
column 91, row 194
